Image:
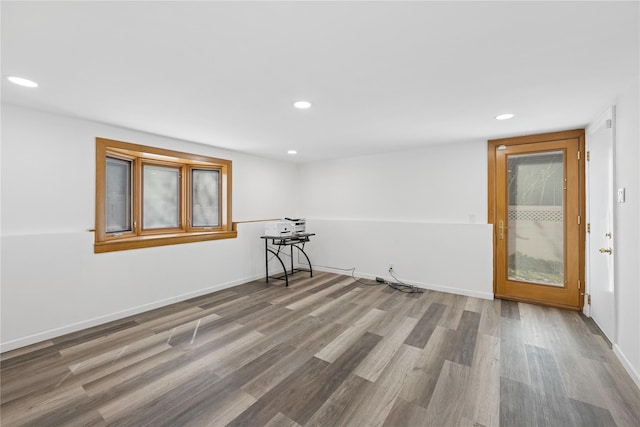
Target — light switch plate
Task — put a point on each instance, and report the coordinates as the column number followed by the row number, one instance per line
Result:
column 620, row 195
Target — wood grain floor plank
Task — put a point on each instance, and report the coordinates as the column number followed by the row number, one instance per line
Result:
column 200, row 400
column 510, row 310
column 538, row 328
column 347, row 396
column 490, row 320
column 551, row 393
column 22, row 354
column 483, row 394
column 50, row 404
column 425, row 327
column 422, row 380
column 280, row 420
column 186, row 372
column 579, row 386
column 319, row 338
column 518, row 404
column 349, row 317
column 591, row 416
column 405, row 413
column 336, row 347
column 474, row 304
column 380, row 399
column 392, row 301
column 303, row 288
column 129, row 377
column 175, row 319
column 335, row 304
column 263, row 354
column 291, row 388
column 621, row 393
column 453, row 313
column 119, row 357
column 377, row 360
column 344, row 290
column 276, row 373
column 325, row 384
column 320, row 294
column 447, row 405
column 466, row 335
column 161, row 405
column 512, row 352
column 221, row 302
column 370, row 295
column 39, row 380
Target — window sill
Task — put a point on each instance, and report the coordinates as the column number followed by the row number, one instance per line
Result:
column 139, row 242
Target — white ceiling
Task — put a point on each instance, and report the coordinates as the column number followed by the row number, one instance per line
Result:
column 382, row 76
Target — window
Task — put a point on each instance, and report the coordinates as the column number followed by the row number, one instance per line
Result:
column 148, row 196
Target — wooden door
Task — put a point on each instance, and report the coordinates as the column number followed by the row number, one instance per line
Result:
column 536, row 193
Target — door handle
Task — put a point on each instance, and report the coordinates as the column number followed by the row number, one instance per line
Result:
column 501, row 229
column 605, row 251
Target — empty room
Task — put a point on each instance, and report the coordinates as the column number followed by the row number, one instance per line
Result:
column 320, row 213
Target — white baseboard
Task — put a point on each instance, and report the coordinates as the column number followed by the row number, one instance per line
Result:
column 457, row 291
column 627, row 365
column 56, row 332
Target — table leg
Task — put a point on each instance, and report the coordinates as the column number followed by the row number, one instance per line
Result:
column 266, row 259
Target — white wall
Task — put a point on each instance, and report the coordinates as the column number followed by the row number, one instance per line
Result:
column 441, row 184
column 53, row 283
column 424, row 210
column 627, row 229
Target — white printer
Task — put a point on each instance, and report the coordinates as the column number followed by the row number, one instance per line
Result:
column 286, row 227
column 278, row 228
column 298, row 225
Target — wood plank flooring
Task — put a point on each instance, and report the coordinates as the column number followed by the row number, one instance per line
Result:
column 326, row 351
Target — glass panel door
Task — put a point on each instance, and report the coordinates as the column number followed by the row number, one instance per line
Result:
column 536, row 212
column 535, row 217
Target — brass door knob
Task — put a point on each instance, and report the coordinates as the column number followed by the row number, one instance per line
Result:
column 605, row 251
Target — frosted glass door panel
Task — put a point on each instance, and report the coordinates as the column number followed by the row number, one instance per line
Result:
column 205, row 186
column 536, row 218
column 161, row 195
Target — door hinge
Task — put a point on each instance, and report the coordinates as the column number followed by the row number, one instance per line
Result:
column 578, row 219
column 588, row 227
column 579, row 284
column 609, row 124
column 578, row 154
column 589, row 299
column 588, row 156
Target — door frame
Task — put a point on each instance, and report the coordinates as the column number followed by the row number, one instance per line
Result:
column 492, row 146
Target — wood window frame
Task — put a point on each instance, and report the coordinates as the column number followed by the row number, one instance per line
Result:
column 142, row 238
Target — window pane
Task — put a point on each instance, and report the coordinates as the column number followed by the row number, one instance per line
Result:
column 160, row 197
column 118, row 200
column 205, row 186
column 536, row 218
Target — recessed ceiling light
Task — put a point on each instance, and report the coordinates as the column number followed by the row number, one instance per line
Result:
column 292, row 152
column 303, row 105
column 505, row 116
column 22, row 81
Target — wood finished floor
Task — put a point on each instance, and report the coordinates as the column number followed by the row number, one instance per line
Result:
column 324, row 352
